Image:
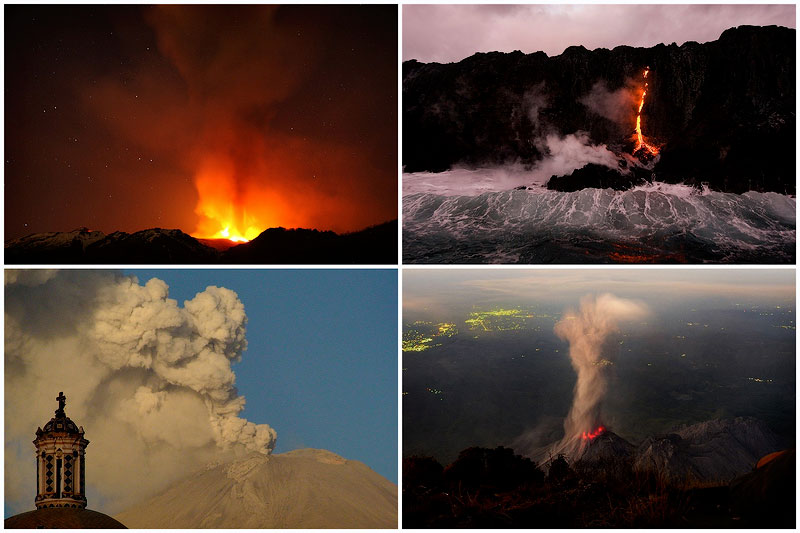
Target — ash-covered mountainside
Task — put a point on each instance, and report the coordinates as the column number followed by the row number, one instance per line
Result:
column 300, row 489
column 605, row 447
column 722, row 112
column 710, row 451
column 374, row 245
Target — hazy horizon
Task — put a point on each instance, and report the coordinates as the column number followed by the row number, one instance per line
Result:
column 450, row 33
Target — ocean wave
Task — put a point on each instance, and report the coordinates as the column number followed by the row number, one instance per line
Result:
column 657, row 222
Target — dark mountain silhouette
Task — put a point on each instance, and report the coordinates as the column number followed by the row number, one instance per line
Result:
column 723, row 112
column 606, row 447
column 377, row 245
column 765, row 496
column 719, row 473
column 51, row 247
column 374, row 245
column 707, row 452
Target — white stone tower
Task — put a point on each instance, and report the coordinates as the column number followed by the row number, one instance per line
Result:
column 60, row 452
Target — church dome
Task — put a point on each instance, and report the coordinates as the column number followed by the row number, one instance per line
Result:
column 62, row 518
column 61, row 425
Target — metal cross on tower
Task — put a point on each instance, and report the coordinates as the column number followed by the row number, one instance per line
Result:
column 62, row 401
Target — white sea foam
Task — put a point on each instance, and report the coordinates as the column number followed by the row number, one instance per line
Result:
column 471, row 182
column 663, row 216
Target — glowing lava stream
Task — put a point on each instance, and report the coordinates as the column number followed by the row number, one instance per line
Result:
column 640, row 142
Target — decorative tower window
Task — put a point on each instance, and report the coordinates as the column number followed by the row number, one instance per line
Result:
column 67, row 474
column 49, row 473
column 58, row 478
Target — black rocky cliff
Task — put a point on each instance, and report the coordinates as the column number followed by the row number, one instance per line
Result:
column 722, row 112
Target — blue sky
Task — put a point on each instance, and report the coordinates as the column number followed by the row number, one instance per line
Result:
column 321, row 363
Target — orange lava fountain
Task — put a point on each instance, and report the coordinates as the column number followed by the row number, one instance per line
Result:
column 641, row 144
column 223, row 210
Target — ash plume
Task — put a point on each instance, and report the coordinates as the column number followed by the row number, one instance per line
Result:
column 150, row 381
column 586, row 330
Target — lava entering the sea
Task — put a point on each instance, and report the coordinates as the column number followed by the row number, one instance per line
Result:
column 591, row 435
column 641, row 143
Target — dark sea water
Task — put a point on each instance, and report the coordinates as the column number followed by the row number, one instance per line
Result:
column 657, row 223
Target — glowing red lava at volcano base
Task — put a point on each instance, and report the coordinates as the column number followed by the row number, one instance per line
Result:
column 593, row 434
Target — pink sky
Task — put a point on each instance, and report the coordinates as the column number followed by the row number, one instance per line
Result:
column 447, row 33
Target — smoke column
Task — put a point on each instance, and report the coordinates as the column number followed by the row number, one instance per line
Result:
column 150, row 381
column 586, row 330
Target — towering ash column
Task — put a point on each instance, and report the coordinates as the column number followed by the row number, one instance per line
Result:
column 586, row 330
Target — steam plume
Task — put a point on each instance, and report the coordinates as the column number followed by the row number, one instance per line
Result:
column 150, row 381
column 586, row 330
column 572, row 152
column 617, row 105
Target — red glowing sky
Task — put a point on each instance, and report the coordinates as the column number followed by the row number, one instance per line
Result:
column 133, row 117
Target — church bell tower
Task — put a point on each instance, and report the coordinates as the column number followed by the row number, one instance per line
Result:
column 60, row 453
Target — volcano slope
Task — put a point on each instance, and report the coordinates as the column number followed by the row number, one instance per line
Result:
column 299, row 489
column 705, row 476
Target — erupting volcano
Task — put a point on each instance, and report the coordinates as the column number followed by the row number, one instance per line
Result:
column 587, row 330
column 222, row 215
column 231, row 232
column 531, row 399
column 641, row 143
column 198, row 129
